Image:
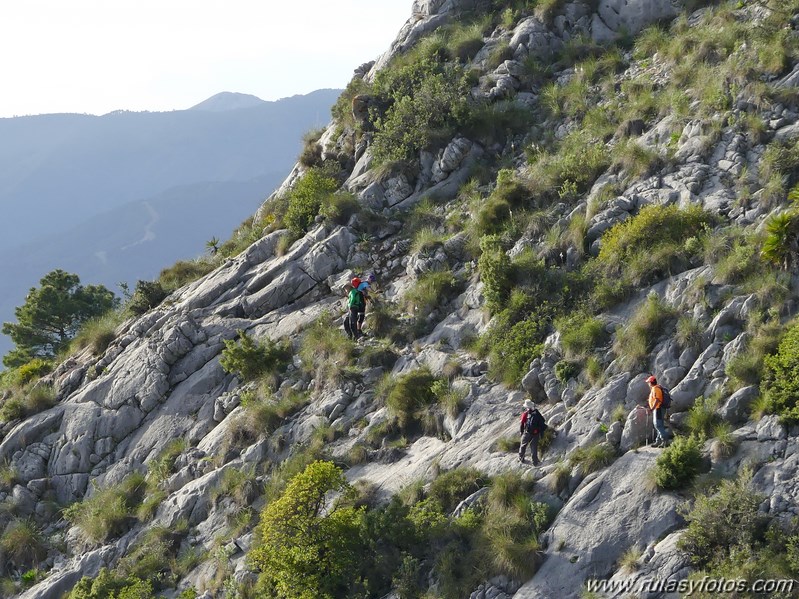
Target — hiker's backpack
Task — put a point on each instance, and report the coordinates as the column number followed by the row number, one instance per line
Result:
column 666, row 405
column 355, row 299
column 535, row 424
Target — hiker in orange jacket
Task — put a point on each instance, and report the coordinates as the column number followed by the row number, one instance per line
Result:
column 655, row 406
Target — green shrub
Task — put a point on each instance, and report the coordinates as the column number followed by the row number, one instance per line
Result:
column 264, row 412
column 747, row 367
column 650, row 245
column 146, row 295
column 28, row 401
column 430, row 291
column 162, row 467
column 782, row 233
column 185, row 271
column 495, row 272
column 98, row 333
column 593, row 457
column 578, row 159
column 325, row 352
column 306, row 198
column 427, row 105
column 303, row 549
column 679, row 463
column 107, row 512
column 453, row 486
column 780, row 386
column 510, row 357
column 339, row 207
column 23, row 544
column 108, row 585
column 237, row 483
column 448, row 397
column 251, row 360
column 34, row 369
column 410, row 396
column 689, row 332
column 635, row 340
column 702, row 417
column 511, row 525
column 723, row 522
column 151, row 559
column 580, row 333
column 566, row 369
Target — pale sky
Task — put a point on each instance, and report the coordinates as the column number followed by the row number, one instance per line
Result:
column 97, row 56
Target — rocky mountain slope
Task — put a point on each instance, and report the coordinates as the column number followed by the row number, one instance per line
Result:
column 593, row 212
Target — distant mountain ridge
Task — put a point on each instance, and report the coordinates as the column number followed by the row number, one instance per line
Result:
column 78, row 165
column 228, row 101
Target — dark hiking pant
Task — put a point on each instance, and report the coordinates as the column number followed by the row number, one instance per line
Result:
column 531, row 440
column 354, row 322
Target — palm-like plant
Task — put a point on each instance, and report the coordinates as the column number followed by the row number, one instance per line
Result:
column 781, row 245
column 212, row 245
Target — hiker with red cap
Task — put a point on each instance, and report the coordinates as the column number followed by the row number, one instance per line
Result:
column 356, row 304
column 657, row 406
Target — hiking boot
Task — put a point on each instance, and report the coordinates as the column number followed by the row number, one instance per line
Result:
column 657, row 443
column 536, row 462
column 521, row 459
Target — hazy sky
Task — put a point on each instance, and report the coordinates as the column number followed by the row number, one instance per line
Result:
column 96, row 56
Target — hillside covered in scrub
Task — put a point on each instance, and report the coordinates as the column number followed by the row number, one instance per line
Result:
column 558, row 199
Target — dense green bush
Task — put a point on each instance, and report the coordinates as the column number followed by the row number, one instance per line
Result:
column 426, row 100
column 27, row 401
column 108, row 585
column 578, row 159
column 307, row 197
column 566, row 369
column 724, row 522
column 747, row 367
column 146, row 295
column 780, row 384
column 495, row 272
column 251, row 360
column 304, row 550
column 29, row 371
column 650, row 245
column 453, row 486
column 679, row 463
column 339, row 207
column 410, row 397
column 702, row 417
column 512, row 350
column 580, row 333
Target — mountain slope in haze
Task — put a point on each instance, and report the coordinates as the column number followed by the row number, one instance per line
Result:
column 60, row 169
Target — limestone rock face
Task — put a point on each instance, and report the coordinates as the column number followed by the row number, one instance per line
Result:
column 609, row 513
column 613, row 16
